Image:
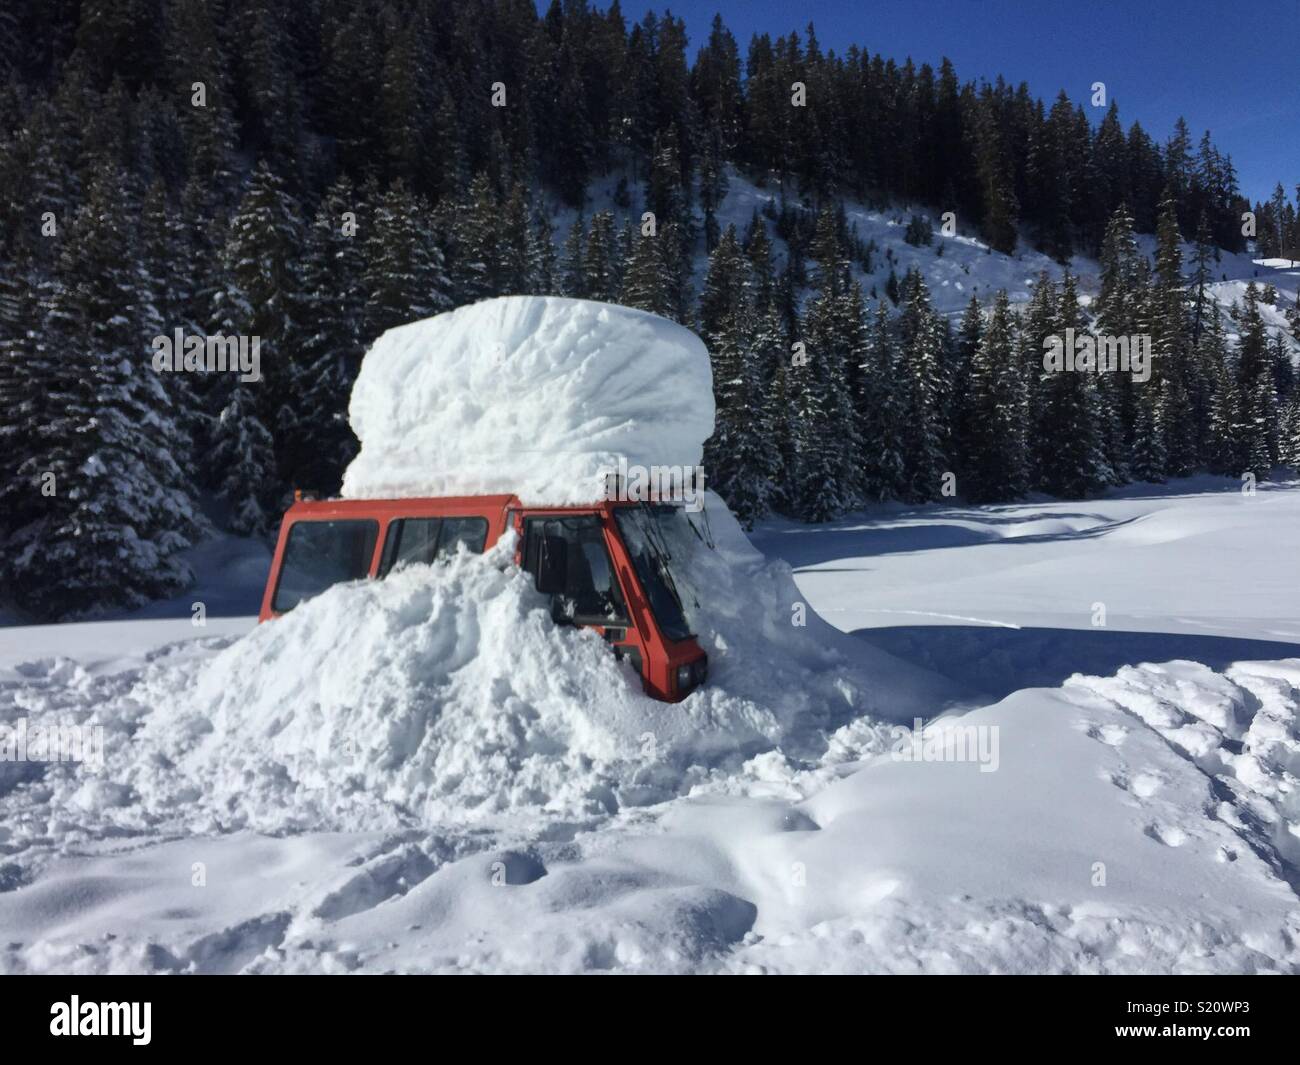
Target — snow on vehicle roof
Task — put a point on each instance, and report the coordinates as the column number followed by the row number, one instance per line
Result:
column 539, row 396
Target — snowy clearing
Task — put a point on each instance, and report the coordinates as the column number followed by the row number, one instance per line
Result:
column 1119, row 817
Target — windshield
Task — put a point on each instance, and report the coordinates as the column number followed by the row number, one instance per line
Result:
column 644, row 539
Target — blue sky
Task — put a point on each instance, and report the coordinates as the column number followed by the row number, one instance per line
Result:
column 1232, row 68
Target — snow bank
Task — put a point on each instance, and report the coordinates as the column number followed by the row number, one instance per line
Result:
column 534, row 395
column 446, row 694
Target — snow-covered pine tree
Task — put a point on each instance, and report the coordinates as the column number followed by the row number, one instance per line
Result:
column 667, row 196
column 824, row 416
column 25, row 405
column 602, row 259
column 1283, row 368
column 573, row 274
column 329, row 345
column 724, row 302
column 1226, row 433
column 1040, row 320
column 243, row 461
column 1289, row 433
column 1117, row 314
column 542, row 265
column 992, row 456
column 260, row 296
column 477, row 263
column 758, row 247
column 1174, row 370
column 1147, row 460
column 881, row 412
column 921, row 367
column 1073, row 460
column 749, row 464
column 1258, row 388
column 969, row 332
column 165, row 305
column 114, row 507
column 851, row 328
column 650, row 280
column 404, row 277
column 515, row 254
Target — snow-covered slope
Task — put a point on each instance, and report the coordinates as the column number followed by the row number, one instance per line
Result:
column 1138, row 818
column 959, row 266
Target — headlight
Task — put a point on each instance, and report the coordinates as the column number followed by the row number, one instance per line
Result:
column 684, row 675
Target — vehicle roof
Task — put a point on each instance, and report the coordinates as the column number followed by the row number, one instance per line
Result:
column 417, row 505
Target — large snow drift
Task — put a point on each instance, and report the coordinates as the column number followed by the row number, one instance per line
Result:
column 535, row 395
column 445, row 694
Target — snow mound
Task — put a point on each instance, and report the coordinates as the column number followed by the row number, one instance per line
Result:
column 446, row 694
column 534, row 395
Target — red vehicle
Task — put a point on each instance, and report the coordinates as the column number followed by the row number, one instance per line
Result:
column 605, row 566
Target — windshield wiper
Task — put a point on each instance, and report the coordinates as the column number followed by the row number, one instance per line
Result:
column 659, row 549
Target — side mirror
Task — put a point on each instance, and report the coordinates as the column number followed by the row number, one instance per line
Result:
column 552, row 565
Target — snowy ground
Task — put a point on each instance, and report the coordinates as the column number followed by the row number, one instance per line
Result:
column 1115, row 816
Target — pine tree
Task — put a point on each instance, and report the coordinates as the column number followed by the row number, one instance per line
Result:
column 1148, row 459
column 1226, row 433
column 243, row 456
column 573, row 273
column 649, row 281
column 601, row 260
column 921, row 367
column 1174, row 373
column 118, row 511
column 1289, row 438
column 404, row 276
column 262, row 299
column 330, row 347
column 25, row 406
column 542, row 265
column 1118, row 313
column 824, row 418
column 1073, row 463
column 881, row 412
column 477, row 265
column 992, row 456
column 1258, row 388
column 515, row 253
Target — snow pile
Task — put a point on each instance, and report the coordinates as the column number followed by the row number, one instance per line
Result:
column 446, row 693
column 532, row 395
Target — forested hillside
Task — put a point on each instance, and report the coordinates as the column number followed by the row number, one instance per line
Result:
column 313, row 173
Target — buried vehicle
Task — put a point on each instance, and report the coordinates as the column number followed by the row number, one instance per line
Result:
column 605, row 566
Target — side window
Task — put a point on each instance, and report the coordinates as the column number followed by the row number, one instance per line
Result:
column 472, row 532
column 319, row 554
column 592, row 595
column 409, row 540
column 423, row 540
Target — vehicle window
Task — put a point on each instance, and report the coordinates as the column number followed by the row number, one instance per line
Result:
column 423, row 540
column 409, row 540
column 645, row 546
column 320, row 554
column 472, row 532
column 591, row 595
